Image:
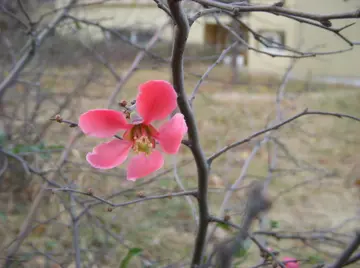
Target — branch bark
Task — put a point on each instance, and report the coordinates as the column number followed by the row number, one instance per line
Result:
column 180, row 37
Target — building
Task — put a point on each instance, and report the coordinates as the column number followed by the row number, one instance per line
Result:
column 139, row 19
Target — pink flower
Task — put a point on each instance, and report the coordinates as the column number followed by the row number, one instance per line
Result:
column 291, row 262
column 155, row 101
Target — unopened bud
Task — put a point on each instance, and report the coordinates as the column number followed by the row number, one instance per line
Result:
column 140, row 194
column 90, row 191
column 109, row 209
column 58, row 118
column 123, row 103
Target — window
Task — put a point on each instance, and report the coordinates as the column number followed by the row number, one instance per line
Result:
column 143, row 36
column 136, row 36
column 272, row 41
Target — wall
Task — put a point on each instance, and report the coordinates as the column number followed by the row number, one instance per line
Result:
column 339, row 65
column 143, row 14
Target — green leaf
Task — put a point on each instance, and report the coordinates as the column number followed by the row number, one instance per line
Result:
column 132, row 252
column 50, row 245
column 53, row 147
column 274, row 224
column 223, row 226
column 314, row 259
column 77, row 25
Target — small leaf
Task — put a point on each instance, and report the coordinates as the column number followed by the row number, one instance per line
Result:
column 314, row 259
column 274, row 224
column 223, row 226
column 132, row 252
column 77, row 25
column 50, row 245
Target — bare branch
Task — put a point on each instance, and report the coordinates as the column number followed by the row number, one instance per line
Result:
column 116, row 205
column 211, row 67
column 278, row 10
column 181, row 34
column 344, row 257
column 26, row 226
column 30, row 48
column 277, row 126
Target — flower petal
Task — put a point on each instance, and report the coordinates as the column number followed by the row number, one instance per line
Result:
column 143, row 165
column 156, row 100
column 171, row 134
column 110, row 154
column 102, row 123
column 291, row 262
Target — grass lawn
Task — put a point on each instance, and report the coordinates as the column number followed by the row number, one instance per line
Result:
column 311, row 187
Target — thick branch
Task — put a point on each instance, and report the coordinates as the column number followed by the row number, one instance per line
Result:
column 344, row 257
column 181, row 35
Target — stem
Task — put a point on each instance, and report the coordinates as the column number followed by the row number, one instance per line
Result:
column 75, row 231
column 181, row 34
column 345, row 256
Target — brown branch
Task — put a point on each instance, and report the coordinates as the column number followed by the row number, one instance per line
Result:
column 278, row 10
column 116, row 205
column 180, row 37
column 26, row 226
column 257, row 203
column 211, row 67
column 345, row 256
column 117, row 34
column 275, row 127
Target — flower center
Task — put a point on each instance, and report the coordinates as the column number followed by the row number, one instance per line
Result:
column 142, row 145
column 142, row 138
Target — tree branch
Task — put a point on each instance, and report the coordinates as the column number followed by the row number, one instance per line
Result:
column 278, row 10
column 344, row 257
column 116, row 205
column 277, row 126
column 30, row 48
column 181, row 34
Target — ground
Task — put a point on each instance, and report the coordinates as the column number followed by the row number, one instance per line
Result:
column 312, row 187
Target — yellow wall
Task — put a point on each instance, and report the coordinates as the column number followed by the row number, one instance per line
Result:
column 296, row 34
column 262, row 63
column 345, row 64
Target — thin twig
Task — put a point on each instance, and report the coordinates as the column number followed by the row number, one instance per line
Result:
column 211, row 67
column 75, row 232
column 275, row 127
column 279, row 11
column 30, row 48
column 26, row 226
column 188, row 199
column 116, row 205
column 139, row 57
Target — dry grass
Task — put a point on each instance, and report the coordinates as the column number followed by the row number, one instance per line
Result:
column 225, row 113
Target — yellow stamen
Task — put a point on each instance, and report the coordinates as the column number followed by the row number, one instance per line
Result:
column 142, row 144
